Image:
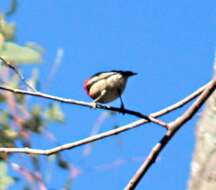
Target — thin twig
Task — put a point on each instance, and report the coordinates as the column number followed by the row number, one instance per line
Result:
column 85, row 104
column 108, row 133
column 173, row 128
column 16, row 70
column 65, row 146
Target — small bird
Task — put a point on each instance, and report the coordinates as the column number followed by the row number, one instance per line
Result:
column 107, row 86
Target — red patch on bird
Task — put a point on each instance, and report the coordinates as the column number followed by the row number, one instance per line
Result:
column 86, row 86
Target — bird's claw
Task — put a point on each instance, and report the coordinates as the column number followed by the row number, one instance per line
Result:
column 122, row 108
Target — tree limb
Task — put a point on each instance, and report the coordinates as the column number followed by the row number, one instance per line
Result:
column 85, row 104
column 98, row 136
column 173, row 128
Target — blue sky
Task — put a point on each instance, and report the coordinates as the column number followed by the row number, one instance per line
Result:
column 169, row 43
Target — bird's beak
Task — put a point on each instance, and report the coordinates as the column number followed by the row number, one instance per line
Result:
column 132, row 74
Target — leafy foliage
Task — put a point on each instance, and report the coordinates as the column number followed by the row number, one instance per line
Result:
column 5, row 180
column 21, row 54
column 13, row 52
column 54, row 113
column 7, row 30
column 20, row 118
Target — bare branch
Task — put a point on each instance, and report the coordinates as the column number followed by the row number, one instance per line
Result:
column 173, row 128
column 105, row 107
column 86, row 104
column 101, row 135
column 70, row 145
column 151, row 117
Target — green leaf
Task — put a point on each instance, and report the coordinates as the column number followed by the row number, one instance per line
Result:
column 35, row 123
column 8, row 137
column 54, row 113
column 5, row 180
column 7, row 29
column 19, row 54
column 36, row 110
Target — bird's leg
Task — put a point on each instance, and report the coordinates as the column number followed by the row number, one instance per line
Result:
column 94, row 103
column 122, row 104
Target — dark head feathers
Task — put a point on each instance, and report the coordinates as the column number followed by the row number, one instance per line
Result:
column 127, row 73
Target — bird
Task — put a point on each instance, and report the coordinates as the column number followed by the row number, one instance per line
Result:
column 106, row 86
